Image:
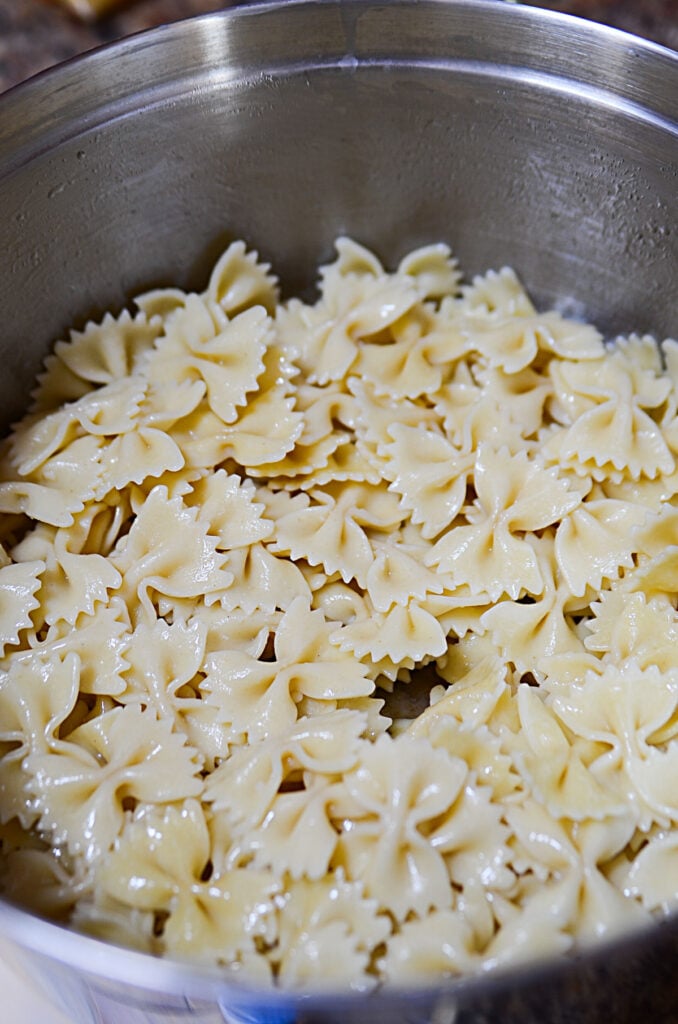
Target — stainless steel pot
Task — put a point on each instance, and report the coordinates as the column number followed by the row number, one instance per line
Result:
column 519, row 136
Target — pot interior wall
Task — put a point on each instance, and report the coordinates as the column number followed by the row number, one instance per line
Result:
column 138, row 168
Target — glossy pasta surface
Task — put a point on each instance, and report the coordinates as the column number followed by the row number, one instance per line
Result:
column 236, row 532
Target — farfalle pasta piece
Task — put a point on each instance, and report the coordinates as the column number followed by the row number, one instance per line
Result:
column 239, row 281
column 110, row 350
column 624, row 709
column 434, row 269
column 595, row 541
column 42, row 503
column 107, row 411
column 405, row 631
column 136, row 457
column 262, row 581
column 632, row 626
column 163, row 671
column 201, row 343
column 158, row 865
column 439, row 946
column 36, row 697
column 513, row 343
column 125, row 753
column 353, row 307
column 472, row 837
column 402, row 369
column 103, row 352
column 400, row 788
column 429, row 474
column 245, row 786
column 537, row 924
column 37, row 694
column 398, row 574
column 108, row 920
column 496, row 292
column 99, row 640
column 161, row 660
column 228, row 504
column 260, row 698
column 332, row 531
column 515, row 496
column 72, row 584
column 610, row 433
column 19, row 584
column 528, row 632
column 555, row 770
column 328, row 929
column 652, row 876
column 297, row 838
column 265, row 431
column 514, row 402
column 40, row 881
column 167, row 550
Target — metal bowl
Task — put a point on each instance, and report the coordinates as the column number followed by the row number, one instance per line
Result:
column 519, row 136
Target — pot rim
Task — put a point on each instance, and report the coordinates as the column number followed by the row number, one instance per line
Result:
column 620, row 69
column 107, row 963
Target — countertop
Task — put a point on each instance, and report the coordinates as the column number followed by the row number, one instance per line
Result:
column 35, row 34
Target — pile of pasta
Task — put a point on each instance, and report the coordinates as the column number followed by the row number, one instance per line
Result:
column 234, row 529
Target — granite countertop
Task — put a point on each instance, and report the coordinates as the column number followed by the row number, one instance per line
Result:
column 34, row 34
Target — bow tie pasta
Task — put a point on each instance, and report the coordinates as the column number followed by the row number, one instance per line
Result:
column 338, row 639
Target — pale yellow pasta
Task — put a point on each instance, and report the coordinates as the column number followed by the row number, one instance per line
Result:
column 338, row 639
column 327, row 935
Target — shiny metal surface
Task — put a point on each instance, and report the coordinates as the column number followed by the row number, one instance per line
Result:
column 519, row 136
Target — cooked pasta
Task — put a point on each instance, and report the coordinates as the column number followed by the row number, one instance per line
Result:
column 241, row 538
